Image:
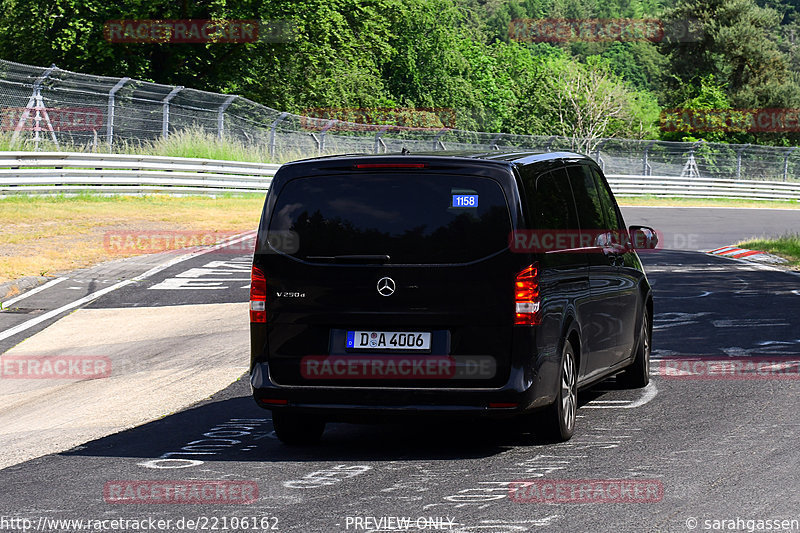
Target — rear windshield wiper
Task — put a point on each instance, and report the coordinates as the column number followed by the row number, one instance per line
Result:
column 355, row 258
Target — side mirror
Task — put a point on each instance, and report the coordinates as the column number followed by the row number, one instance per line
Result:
column 643, row 237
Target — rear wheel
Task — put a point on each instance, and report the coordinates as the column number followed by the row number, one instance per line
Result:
column 559, row 419
column 638, row 374
column 293, row 428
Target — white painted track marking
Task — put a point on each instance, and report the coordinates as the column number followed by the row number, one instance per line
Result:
column 220, row 272
column 649, row 393
column 31, row 292
column 95, row 295
column 55, row 312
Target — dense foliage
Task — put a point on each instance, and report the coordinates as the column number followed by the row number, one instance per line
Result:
column 454, row 54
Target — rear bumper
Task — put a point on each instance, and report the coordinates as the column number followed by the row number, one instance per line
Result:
column 527, row 389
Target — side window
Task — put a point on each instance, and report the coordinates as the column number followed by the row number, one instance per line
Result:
column 606, row 201
column 615, row 224
column 552, row 205
column 587, row 200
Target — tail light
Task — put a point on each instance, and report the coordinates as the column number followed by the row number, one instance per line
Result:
column 258, row 296
column 526, row 296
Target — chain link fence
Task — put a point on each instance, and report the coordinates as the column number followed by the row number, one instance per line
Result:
column 68, row 109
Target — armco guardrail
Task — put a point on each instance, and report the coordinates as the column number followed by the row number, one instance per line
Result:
column 70, row 173
column 630, row 185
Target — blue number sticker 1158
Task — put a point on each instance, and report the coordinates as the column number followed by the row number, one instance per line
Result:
column 465, row 200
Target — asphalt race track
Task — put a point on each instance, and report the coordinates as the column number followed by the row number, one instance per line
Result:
column 692, row 448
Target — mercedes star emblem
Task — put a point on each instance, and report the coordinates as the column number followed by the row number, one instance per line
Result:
column 386, row 286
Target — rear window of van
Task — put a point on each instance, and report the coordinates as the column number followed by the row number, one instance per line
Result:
column 414, row 219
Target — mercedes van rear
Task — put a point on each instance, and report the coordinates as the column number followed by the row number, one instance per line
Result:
column 387, row 285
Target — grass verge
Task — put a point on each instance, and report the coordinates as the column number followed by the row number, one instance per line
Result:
column 786, row 246
column 42, row 236
column 658, row 201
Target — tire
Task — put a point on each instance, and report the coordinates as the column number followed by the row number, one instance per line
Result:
column 638, row 374
column 558, row 422
column 297, row 429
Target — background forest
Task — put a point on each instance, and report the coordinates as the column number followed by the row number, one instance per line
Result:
column 453, row 54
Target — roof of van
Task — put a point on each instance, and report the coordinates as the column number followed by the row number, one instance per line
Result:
column 502, row 156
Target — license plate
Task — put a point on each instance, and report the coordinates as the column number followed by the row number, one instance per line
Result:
column 388, row 340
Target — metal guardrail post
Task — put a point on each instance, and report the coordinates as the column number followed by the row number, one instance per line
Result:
column 165, row 112
column 221, row 115
column 379, row 141
column 437, row 139
column 111, row 107
column 786, row 163
column 597, row 157
column 323, row 131
column 599, row 147
column 494, row 142
column 646, row 168
column 272, row 129
column 739, row 159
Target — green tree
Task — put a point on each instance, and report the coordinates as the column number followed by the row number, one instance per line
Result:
column 701, row 114
column 70, row 34
column 370, row 53
column 638, row 63
column 734, row 44
column 589, row 102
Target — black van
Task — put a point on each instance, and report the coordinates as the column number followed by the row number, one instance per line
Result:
column 490, row 284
